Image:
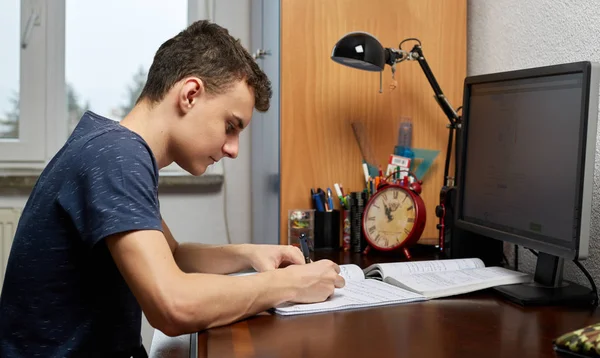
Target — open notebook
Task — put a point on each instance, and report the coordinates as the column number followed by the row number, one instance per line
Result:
column 403, row 282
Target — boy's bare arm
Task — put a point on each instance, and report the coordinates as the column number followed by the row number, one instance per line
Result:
column 176, row 302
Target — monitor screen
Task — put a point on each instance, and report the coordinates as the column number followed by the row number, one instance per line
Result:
column 523, row 158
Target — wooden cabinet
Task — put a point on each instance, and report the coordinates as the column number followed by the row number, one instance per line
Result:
column 317, row 98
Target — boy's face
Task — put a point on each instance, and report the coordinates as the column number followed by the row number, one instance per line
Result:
column 211, row 125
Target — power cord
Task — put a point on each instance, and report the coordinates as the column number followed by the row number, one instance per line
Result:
column 505, row 259
column 225, row 216
column 585, row 272
column 589, row 277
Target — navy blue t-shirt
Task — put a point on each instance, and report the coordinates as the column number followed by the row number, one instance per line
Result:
column 63, row 295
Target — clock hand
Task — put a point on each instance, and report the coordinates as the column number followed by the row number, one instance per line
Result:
column 388, row 212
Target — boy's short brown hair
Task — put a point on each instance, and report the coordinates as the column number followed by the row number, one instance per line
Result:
column 207, row 51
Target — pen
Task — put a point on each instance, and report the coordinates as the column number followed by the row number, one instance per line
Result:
column 323, row 197
column 330, row 199
column 304, row 247
column 317, row 201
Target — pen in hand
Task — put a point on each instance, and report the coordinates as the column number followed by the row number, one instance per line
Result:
column 304, row 247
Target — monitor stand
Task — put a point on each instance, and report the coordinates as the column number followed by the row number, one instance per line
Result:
column 548, row 288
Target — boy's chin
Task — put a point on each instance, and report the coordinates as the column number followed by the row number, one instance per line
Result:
column 199, row 171
column 196, row 170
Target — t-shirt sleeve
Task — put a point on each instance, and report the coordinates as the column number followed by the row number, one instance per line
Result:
column 115, row 190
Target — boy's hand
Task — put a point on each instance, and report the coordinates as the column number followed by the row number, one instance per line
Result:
column 314, row 282
column 271, row 257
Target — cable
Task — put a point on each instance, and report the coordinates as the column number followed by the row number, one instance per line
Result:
column 448, row 155
column 589, row 277
column 505, row 259
column 225, row 216
column 516, row 257
column 409, row 39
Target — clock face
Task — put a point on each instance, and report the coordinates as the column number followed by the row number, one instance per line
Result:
column 389, row 217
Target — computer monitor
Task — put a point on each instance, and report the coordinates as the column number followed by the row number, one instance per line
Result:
column 525, row 169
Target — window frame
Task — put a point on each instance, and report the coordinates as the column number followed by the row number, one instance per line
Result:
column 29, row 150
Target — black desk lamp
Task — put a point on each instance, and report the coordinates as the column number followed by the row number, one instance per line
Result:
column 363, row 51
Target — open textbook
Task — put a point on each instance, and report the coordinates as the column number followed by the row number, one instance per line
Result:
column 403, row 282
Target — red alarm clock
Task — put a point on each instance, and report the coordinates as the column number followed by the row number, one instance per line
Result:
column 394, row 217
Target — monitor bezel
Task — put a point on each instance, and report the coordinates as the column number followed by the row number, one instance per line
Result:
column 579, row 246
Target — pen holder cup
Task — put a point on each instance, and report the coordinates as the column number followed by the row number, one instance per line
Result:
column 327, row 230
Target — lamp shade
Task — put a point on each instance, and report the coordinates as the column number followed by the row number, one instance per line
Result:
column 359, row 50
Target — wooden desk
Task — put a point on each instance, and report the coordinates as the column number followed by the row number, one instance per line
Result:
column 474, row 325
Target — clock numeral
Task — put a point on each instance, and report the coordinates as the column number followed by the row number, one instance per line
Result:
column 403, row 200
column 371, row 229
column 382, row 241
column 409, row 208
column 411, row 220
column 372, row 218
column 396, row 194
column 375, row 205
column 406, row 231
column 384, row 196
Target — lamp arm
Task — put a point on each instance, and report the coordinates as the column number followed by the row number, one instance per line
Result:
column 393, row 56
column 439, row 95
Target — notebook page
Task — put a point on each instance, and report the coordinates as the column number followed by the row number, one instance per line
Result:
column 397, row 269
column 356, row 294
column 351, row 273
column 470, row 280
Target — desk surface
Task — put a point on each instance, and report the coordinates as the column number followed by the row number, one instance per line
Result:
column 474, row 325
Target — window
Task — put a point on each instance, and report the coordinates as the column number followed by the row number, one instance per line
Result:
column 107, row 61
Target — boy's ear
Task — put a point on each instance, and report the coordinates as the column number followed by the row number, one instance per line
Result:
column 190, row 92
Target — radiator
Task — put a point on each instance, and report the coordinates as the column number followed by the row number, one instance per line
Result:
column 9, row 217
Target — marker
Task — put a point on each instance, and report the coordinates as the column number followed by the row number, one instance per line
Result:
column 366, row 172
column 338, row 190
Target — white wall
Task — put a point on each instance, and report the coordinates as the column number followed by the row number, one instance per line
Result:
column 512, row 34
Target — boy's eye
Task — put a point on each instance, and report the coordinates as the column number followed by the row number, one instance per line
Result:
column 230, row 127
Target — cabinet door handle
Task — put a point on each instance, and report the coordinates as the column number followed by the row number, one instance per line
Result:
column 260, row 54
column 34, row 20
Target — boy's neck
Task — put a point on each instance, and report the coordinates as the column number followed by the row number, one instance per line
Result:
column 151, row 123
